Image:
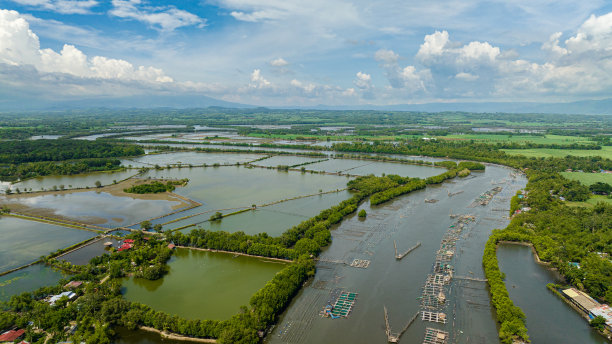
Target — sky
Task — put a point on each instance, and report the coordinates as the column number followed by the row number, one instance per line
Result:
column 306, row 53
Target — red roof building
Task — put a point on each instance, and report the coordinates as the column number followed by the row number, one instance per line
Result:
column 171, row 246
column 128, row 241
column 125, row 247
column 11, row 336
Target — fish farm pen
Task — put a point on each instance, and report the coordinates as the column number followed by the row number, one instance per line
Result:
column 342, row 306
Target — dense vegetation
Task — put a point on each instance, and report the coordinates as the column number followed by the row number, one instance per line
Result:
column 16, row 152
column 33, row 158
column 47, row 168
column 155, row 187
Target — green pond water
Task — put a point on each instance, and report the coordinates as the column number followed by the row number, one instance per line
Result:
column 101, row 208
column 203, row 285
column 28, row 279
column 274, row 219
column 237, row 186
column 24, row 241
column 74, row 181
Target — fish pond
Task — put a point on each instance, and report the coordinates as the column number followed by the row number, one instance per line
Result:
column 238, row 187
column 74, row 181
column 190, row 158
column 203, row 285
column 28, row 279
column 273, row 219
column 93, row 207
column 25, row 241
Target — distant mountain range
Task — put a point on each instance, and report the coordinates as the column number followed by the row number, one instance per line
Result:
column 143, row 102
column 585, row 107
column 590, row 107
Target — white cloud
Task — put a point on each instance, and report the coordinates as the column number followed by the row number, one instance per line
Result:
column 386, row 56
column 552, row 45
column 363, row 81
column 167, row 18
column 61, row 6
column 437, row 48
column 466, row 76
column 258, row 81
column 308, row 88
column 19, row 46
column 279, row 62
column 408, row 78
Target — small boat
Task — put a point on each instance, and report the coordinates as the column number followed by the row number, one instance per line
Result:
column 108, row 244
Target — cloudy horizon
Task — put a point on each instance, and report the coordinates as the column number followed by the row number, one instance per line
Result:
column 288, row 53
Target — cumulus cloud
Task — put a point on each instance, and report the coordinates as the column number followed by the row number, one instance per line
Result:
column 165, row 18
column 408, row 78
column 61, row 6
column 20, row 46
column 581, row 65
column 258, row 81
column 363, row 81
column 279, row 62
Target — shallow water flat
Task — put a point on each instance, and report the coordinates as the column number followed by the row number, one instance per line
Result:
column 25, row 241
column 74, row 181
column 203, row 285
column 94, row 207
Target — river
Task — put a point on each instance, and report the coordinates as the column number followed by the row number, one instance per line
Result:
column 549, row 319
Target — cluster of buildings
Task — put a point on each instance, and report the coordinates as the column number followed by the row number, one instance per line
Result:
column 589, row 306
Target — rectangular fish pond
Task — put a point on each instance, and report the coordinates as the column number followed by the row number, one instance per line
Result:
column 203, row 285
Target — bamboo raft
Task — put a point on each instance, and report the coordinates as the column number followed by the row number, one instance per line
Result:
column 435, row 336
column 395, row 337
column 402, row 255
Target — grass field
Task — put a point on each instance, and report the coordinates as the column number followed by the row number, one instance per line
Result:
column 589, row 178
column 547, row 139
column 591, row 201
column 605, row 152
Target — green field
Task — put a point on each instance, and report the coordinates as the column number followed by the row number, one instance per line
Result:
column 591, row 201
column 605, row 152
column 589, row 178
column 547, row 139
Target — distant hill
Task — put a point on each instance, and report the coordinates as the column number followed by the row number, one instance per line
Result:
column 142, row 101
column 18, row 102
column 586, row 107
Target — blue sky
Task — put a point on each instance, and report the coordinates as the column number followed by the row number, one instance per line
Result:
column 298, row 53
